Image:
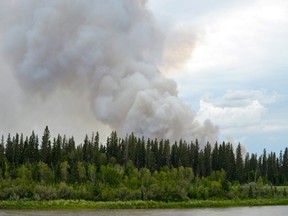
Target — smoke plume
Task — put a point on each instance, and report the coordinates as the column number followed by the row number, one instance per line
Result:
column 108, row 50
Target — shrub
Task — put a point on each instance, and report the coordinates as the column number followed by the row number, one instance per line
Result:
column 65, row 191
column 44, row 193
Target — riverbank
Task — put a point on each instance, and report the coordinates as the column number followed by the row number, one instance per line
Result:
column 82, row 204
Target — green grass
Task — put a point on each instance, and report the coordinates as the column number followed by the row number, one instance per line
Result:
column 82, row 204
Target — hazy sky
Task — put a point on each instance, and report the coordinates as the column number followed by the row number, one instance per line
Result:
column 237, row 72
column 228, row 58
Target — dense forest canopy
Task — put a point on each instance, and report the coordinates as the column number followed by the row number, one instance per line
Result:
column 131, row 168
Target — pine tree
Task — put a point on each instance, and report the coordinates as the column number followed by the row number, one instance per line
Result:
column 140, row 153
column 207, row 159
column 215, row 158
column 167, row 154
column 32, row 152
column 239, row 174
column 247, row 168
column 9, row 151
column 56, row 151
column 175, row 156
column 95, row 150
column 231, row 159
column 264, row 167
column 2, row 158
column 45, row 151
column 201, row 164
column 254, row 169
column 21, row 149
column 272, row 168
column 112, row 145
column 183, row 154
column 87, row 150
column 16, row 149
column 132, row 141
column 150, row 159
column 195, row 157
column 285, row 166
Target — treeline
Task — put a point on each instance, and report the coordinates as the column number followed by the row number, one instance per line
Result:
column 134, row 168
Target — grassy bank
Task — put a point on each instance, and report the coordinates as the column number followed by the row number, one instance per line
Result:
column 82, row 204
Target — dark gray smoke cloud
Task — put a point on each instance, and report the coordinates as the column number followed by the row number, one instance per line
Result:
column 108, row 50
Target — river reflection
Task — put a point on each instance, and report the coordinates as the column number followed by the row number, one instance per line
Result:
column 243, row 211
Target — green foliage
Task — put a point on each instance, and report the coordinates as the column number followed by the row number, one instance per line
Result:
column 43, row 192
column 65, row 191
column 111, row 175
column 135, row 169
column 45, row 173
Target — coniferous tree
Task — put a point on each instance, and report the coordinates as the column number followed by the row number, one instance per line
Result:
column 272, row 168
column 195, row 157
column 231, row 166
column 21, row 149
column 150, row 159
column 207, row 159
column 160, row 158
column 45, row 149
column 16, row 149
column 183, row 154
column 2, row 158
column 112, row 145
column 201, row 164
column 239, row 173
column 284, row 170
column 247, row 167
column 254, row 169
column 155, row 151
column 140, row 153
column 9, row 151
column 264, row 167
column 95, row 150
column 215, row 158
column 175, row 155
column 132, row 141
column 134, row 168
column 167, row 153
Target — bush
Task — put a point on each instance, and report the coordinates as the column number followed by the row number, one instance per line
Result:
column 44, row 193
column 83, row 192
column 65, row 191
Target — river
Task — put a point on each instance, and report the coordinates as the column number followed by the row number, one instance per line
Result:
column 243, row 211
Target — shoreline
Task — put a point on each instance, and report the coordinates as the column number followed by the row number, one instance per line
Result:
column 83, row 204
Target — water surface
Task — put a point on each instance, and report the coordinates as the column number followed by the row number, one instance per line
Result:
column 242, row 211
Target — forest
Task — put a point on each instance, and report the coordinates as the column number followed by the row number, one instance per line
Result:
column 135, row 168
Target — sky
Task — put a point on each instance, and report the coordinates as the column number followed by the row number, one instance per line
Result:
column 237, row 69
column 229, row 60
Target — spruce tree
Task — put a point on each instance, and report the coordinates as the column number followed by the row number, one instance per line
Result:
column 2, row 158
column 239, row 174
column 45, row 151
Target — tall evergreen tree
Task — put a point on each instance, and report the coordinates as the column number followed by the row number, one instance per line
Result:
column 150, row 159
column 175, row 158
column 21, row 149
column 207, row 159
column 215, row 158
column 239, row 173
column 264, row 166
column 284, row 170
column 140, row 153
column 167, row 153
column 45, row 150
column 195, row 157
column 9, row 150
column 183, row 154
column 16, row 149
column 2, row 158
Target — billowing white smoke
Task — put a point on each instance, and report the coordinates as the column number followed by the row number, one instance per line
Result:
column 109, row 48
